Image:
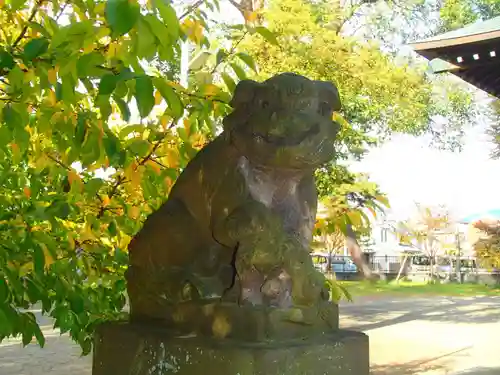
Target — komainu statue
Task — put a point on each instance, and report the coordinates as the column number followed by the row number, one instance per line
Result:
column 227, row 255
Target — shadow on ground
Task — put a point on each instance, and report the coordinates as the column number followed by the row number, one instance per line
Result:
column 410, row 368
column 378, row 314
column 439, row 363
column 481, row 371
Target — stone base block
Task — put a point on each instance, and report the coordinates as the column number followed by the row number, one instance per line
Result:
column 132, row 349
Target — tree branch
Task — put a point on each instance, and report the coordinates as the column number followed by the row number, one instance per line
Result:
column 35, row 9
column 190, row 9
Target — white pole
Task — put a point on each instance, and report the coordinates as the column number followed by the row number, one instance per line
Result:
column 184, row 71
column 184, row 64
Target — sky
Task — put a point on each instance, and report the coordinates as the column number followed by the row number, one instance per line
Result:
column 409, row 171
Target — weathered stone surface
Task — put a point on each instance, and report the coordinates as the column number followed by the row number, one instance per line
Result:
column 128, row 349
column 237, row 225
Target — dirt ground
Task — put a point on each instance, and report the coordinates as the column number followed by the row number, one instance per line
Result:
column 431, row 336
column 424, row 336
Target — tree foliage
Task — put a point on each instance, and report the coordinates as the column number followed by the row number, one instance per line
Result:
column 92, row 137
column 455, row 14
column 428, row 232
column 487, row 247
column 380, row 95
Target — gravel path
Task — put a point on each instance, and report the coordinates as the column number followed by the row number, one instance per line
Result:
column 426, row 336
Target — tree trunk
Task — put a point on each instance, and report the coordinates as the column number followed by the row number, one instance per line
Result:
column 357, row 254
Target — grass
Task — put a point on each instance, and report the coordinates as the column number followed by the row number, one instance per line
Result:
column 403, row 288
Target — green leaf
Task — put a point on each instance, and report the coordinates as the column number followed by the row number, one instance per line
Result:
column 124, row 132
column 11, row 117
column 38, row 260
column 4, row 290
column 111, row 145
column 159, row 29
column 199, row 61
column 87, row 65
column 93, row 186
column 122, row 105
column 5, row 135
column 112, row 229
column 239, row 71
column 144, row 94
column 107, row 84
column 221, row 55
column 40, row 338
column 102, row 102
column 169, row 17
column 146, row 40
column 80, row 130
column 267, row 35
column 248, row 60
column 122, row 15
column 35, row 48
column 27, row 336
column 17, row 4
column 173, row 100
column 140, row 147
column 59, row 209
column 6, row 60
column 229, row 81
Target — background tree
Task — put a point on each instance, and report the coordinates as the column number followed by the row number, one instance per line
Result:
column 429, row 231
column 487, row 247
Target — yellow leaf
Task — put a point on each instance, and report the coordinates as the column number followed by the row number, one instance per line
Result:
column 194, row 30
column 355, row 218
column 134, row 212
column 89, row 48
column 105, row 201
column 71, row 241
column 373, row 212
column 173, row 158
column 27, row 192
column 168, row 183
column 100, row 8
column 112, row 50
column 250, row 16
column 124, row 241
column 52, row 98
column 87, row 234
column 134, row 174
column 73, row 176
column 26, row 268
column 211, row 90
column 383, row 199
column 48, row 257
column 164, row 121
column 154, row 166
column 187, row 126
column 52, row 76
column 158, row 97
column 15, row 149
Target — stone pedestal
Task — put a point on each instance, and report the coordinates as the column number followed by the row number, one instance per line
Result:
column 133, row 349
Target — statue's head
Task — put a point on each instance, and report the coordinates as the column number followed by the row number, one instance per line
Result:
column 285, row 121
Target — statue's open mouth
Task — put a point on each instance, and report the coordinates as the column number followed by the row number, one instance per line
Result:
column 288, row 141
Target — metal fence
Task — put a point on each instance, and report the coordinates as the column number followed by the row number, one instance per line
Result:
column 414, row 268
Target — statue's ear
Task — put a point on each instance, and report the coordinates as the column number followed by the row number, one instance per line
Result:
column 244, row 93
column 329, row 94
